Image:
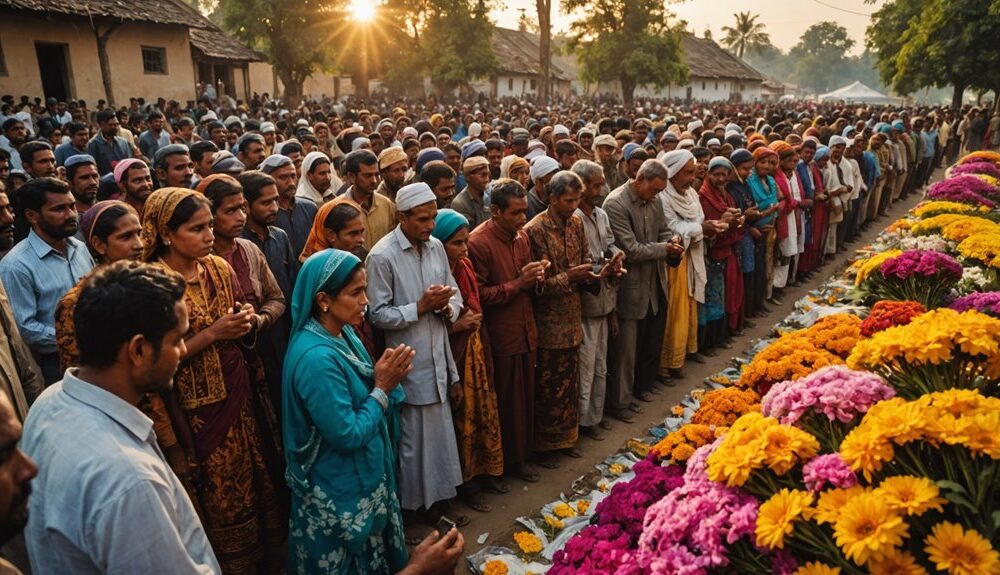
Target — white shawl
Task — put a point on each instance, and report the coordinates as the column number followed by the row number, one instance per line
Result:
column 685, row 217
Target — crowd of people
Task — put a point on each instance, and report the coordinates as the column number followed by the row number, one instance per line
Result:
column 275, row 340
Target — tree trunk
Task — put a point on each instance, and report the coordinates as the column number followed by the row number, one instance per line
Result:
column 628, row 89
column 544, row 47
column 956, row 96
column 293, row 88
column 105, row 60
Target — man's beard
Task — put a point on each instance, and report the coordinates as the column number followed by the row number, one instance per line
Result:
column 61, row 232
column 14, row 524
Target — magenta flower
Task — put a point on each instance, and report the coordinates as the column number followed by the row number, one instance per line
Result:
column 922, row 263
column 964, row 188
column 828, row 468
column 835, row 392
column 985, row 168
column 985, row 302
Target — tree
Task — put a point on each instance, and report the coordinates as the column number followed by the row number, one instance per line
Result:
column 821, row 59
column 544, row 9
column 631, row 41
column 921, row 43
column 299, row 36
column 747, row 35
column 526, row 23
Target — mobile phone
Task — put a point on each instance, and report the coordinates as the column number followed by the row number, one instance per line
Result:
column 444, row 525
column 598, row 266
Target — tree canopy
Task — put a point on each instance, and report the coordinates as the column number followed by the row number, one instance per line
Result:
column 631, row 41
column 921, row 43
column 823, row 47
column 747, row 35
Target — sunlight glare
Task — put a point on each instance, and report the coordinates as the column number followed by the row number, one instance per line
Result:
column 362, row 10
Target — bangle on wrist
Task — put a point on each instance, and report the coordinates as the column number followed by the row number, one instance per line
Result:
column 381, row 397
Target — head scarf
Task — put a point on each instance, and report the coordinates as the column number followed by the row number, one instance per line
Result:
column 720, row 162
column 413, row 195
column 326, row 271
column 447, row 223
column 426, row 156
column 122, row 167
column 474, row 163
column 89, row 218
column 763, row 152
column 629, row 149
column 203, row 184
column 509, row 163
column 837, row 141
column 676, row 160
column 604, row 140
column 542, row 166
column 782, row 148
column 821, row 152
column 473, row 147
column 156, row 212
column 358, row 143
column 740, row 156
column 317, row 233
column 306, row 189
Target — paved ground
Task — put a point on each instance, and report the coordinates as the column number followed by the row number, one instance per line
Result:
column 526, row 498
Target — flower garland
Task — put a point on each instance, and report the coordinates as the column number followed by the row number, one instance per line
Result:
column 966, row 188
column 980, row 167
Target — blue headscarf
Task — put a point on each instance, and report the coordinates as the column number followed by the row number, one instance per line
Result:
column 821, row 152
column 720, row 162
column 447, row 223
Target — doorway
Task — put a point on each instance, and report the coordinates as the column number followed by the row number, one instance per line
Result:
column 53, row 68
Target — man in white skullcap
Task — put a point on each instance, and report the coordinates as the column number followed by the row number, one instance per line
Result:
column 541, row 171
column 413, row 297
column 837, row 183
column 559, row 132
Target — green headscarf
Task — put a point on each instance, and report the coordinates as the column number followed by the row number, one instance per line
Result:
column 447, row 223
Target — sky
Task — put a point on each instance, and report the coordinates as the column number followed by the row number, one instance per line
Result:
column 785, row 20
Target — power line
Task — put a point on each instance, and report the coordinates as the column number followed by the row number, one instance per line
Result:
column 842, row 9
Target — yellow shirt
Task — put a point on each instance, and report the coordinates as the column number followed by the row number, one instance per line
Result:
column 380, row 217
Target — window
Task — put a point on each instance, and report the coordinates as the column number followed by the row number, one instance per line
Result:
column 703, row 85
column 510, row 84
column 3, row 62
column 533, row 83
column 716, row 85
column 154, row 60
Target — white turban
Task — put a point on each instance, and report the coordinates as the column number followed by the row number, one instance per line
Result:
column 543, row 166
column 475, row 129
column 413, row 195
column 357, row 143
column 713, row 142
column 676, row 160
column 838, row 141
column 535, row 149
column 305, row 188
column 560, row 130
column 686, row 143
column 410, row 132
column 692, row 126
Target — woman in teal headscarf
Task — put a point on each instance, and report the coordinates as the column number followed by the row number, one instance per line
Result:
column 336, row 406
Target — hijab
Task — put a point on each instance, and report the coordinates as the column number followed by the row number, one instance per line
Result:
column 306, row 189
column 156, row 212
column 89, row 218
column 317, row 239
column 510, row 162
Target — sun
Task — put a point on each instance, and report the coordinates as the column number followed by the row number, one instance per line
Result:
column 362, row 10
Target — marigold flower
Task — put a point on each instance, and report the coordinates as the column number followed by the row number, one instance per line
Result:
column 817, row 568
column 777, row 516
column 911, row 495
column 895, row 562
column 495, row 567
column 961, row 552
column 528, row 542
column 868, row 527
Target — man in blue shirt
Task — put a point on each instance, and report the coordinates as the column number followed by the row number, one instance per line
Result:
column 107, row 147
column 78, row 134
column 155, row 137
column 38, row 271
column 106, row 500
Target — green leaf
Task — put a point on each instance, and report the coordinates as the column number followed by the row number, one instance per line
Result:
column 952, row 486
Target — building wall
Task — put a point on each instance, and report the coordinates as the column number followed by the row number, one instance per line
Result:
column 261, row 78
column 702, row 89
column 18, row 34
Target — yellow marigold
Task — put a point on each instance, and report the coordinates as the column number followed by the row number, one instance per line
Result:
column 865, row 451
column 582, row 506
column 959, row 402
column 911, row 495
column 755, row 441
column 927, row 209
column 680, row 445
column 528, row 542
column 495, row 567
column 868, row 527
column 866, row 267
column 895, row 562
column 984, row 247
column 934, row 338
column 831, row 501
column 616, row 469
column 777, row 516
column 553, row 522
column 981, row 156
column 961, row 229
column 724, row 406
column 901, row 224
column 817, row 568
column 935, row 224
column 979, row 433
column 961, row 552
column 988, row 179
column 563, row 510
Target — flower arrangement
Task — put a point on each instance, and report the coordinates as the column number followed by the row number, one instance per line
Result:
column 928, row 242
column 678, row 446
column 980, row 156
column 938, row 350
column 827, row 402
column 890, row 313
column 790, row 357
column 864, row 268
column 928, row 209
column 836, row 333
column 984, row 302
column 984, row 247
column 935, row 224
column 722, row 407
column 627, row 503
column 495, row 567
column 963, row 228
column 967, row 189
column 528, row 542
column 922, row 276
column 978, row 167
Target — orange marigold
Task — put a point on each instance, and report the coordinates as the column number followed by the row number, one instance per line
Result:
column 680, row 445
column 790, row 357
column 836, row 333
column 724, row 406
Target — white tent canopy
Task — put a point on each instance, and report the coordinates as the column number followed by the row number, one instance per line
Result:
column 857, row 92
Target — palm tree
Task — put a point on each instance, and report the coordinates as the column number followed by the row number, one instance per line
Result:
column 747, row 36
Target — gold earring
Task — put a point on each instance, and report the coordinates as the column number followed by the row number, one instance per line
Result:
column 325, row 309
column 166, row 242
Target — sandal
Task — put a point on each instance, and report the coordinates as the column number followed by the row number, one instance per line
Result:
column 592, row 432
column 605, row 425
column 496, row 485
column 443, row 509
column 623, row 415
column 573, row 452
column 634, row 408
column 475, row 502
column 548, row 461
column 644, row 397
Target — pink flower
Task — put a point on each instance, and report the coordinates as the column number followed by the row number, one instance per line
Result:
column 828, row 468
column 835, row 392
column 985, row 168
column 986, row 302
column 922, row 263
column 965, row 188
